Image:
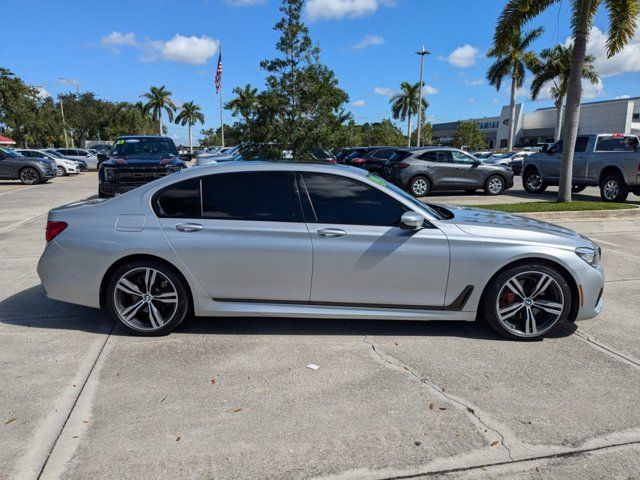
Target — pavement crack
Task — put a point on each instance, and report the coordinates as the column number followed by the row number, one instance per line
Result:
column 585, row 337
column 387, row 359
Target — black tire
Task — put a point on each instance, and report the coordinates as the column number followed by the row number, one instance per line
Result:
column 613, row 189
column 578, row 188
column 494, row 185
column 488, row 308
column 29, row 176
column 533, row 182
column 175, row 282
column 420, row 186
column 61, row 171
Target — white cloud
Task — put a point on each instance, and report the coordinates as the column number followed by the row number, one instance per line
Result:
column 463, row 56
column 589, row 91
column 368, row 41
column 430, row 90
column 383, row 91
column 115, row 40
column 244, row 3
column 592, row 91
column 193, row 50
column 359, row 103
column 628, row 60
column 68, row 81
column 337, row 9
column 474, row 82
column 622, row 97
column 472, row 100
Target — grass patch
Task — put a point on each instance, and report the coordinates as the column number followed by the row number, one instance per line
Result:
column 545, row 206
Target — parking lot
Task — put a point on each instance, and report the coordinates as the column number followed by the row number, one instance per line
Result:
column 233, row 398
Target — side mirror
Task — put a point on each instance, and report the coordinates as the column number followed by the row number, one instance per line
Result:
column 477, row 162
column 411, row 221
column 544, row 148
column 102, row 157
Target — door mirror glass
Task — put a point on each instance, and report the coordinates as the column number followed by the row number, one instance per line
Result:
column 411, row 221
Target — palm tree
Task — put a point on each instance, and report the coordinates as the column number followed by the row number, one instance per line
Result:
column 513, row 59
column 245, row 101
column 556, row 68
column 189, row 114
column 623, row 19
column 159, row 99
column 404, row 105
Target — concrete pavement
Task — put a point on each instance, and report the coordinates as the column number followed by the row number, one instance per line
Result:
column 232, row 398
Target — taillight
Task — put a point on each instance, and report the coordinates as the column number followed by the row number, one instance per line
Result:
column 54, row 229
column 400, row 165
column 331, row 160
column 358, row 161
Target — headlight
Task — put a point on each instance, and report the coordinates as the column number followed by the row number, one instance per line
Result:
column 109, row 174
column 589, row 255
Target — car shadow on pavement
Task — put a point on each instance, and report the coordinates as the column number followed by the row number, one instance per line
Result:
column 32, row 309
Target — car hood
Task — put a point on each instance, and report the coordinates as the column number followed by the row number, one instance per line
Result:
column 491, row 223
column 144, row 161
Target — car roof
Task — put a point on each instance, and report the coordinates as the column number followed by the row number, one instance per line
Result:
column 123, row 137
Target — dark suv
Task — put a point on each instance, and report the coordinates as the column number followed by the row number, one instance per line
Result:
column 135, row 160
column 372, row 159
column 29, row 171
column 422, row 170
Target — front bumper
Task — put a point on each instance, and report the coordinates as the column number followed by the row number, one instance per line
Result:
column 590, row 282
column 108, row 189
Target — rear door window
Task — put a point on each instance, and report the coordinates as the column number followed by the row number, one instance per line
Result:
column 439, row 156
column 257, row 196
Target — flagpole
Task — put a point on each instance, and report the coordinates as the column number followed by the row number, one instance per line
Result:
column 220, row 93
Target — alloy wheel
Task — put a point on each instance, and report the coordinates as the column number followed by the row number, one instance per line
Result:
column 611, row 189
column 60, row 171
column 420, row 187
column 530, row 303
column 145, row 299
column 534, row 182
column 29, row 176
column 495, row 185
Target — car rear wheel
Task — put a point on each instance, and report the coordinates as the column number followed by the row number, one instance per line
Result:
column 494, row 185
column 526, row 302
column 533, row 182
column 613, row 189
column 29, row 176
column 420, row 186
column 147, row 298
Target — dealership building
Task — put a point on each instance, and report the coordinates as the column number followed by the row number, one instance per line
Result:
column 608, row 116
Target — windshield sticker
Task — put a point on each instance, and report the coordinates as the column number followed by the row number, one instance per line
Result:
column 377, row 179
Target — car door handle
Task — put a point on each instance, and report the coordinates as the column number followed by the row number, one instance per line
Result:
column 189, row 227
column 331, row 232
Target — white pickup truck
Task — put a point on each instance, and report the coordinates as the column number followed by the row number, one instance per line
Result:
column 610, row 161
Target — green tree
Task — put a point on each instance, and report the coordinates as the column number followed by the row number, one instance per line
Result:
column 468, row 135
column 426, row 135
column 158, row 99
column 189, row 114
column 512, row 60
column 211, row 137
column 404, row 105
column 556, row 68
column 623, row 19
column 244, row 103
column 301, row 102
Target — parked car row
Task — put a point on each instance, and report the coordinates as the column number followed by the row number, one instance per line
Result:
column 33, row 166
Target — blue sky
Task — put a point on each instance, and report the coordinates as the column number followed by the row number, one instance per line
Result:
column 118, row 49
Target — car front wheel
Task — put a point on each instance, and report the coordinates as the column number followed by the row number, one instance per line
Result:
column 29, row 176
column 420, row 186
column 147, row 298
column 526, row 302
column 533, row 182
column 494, row 185
column 60, row 171
column 613, row 189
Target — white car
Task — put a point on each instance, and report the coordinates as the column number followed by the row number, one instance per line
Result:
column 80, row 154
column 64, row 167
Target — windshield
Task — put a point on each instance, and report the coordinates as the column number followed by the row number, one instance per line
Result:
column 9, row 153
column 380, row 181
column 53, row 153
column 144, row 147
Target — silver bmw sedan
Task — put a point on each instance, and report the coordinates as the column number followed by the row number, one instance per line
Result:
column 296, row 240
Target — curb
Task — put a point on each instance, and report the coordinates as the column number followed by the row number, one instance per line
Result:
column 585, row 215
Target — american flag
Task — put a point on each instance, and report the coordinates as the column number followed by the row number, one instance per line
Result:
column 219, row 73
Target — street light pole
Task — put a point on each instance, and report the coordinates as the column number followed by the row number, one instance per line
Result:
column 422, row 53
column 64, row 126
